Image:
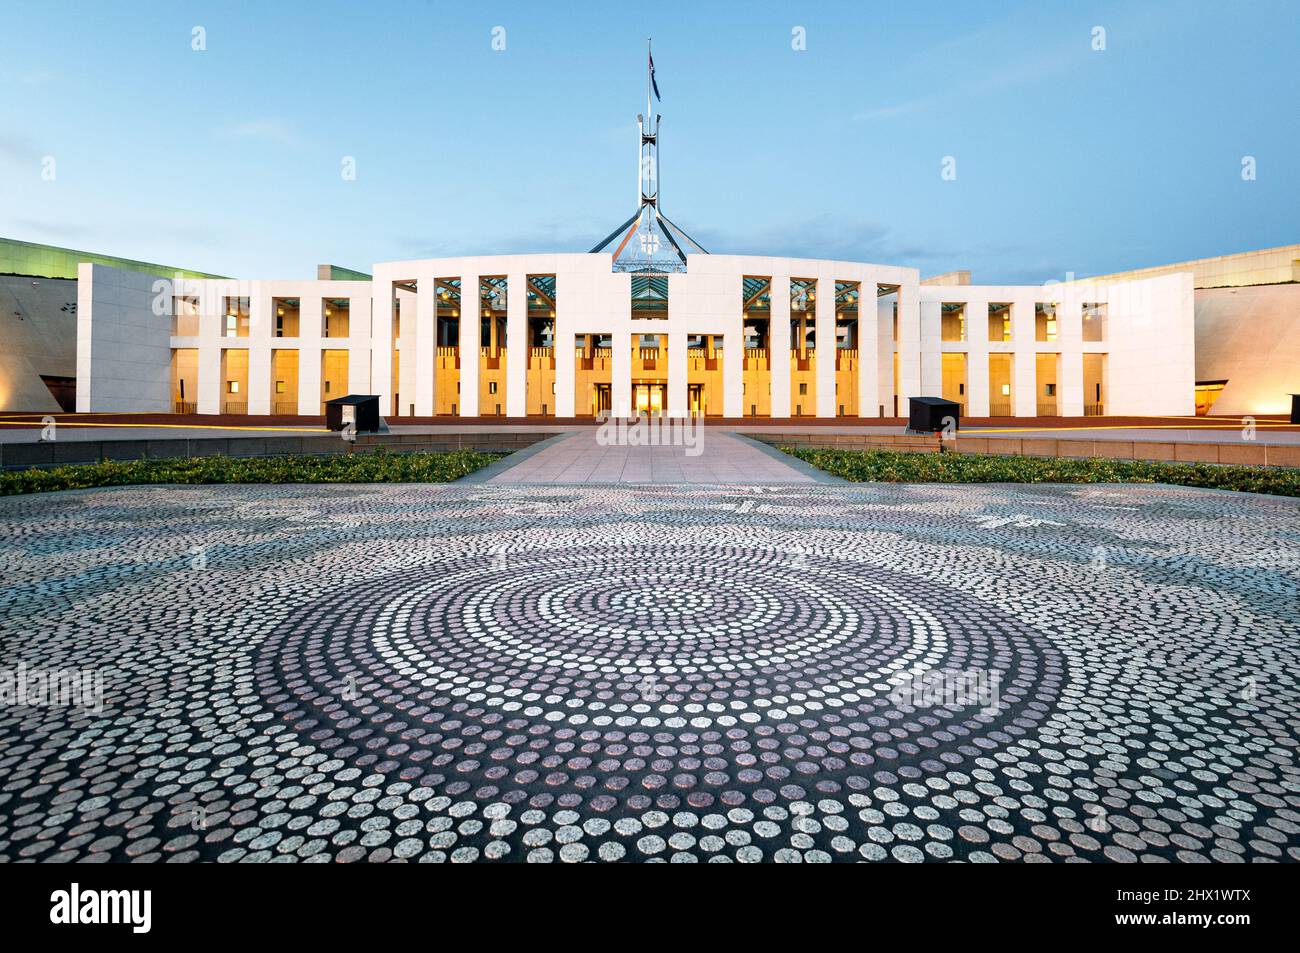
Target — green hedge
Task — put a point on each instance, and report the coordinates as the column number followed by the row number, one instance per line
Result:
column 377, row 467
column 887, row 466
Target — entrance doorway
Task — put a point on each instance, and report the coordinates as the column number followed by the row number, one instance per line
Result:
column 650, row 399
column 695, row 400
column 604, row 400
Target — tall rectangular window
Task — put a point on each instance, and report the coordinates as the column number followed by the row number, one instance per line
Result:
column 756, row 306
column 803, row 314
column 999, row 322
column 492, row 312
column 1045, row 325
column 847, row 307
column 447, row 292
column 237, row 312
column 952, row 322
column 1094, row 322
column 336, row 318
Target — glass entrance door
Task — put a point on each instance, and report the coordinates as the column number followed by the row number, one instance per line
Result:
column 695, row 400
column 650, row 399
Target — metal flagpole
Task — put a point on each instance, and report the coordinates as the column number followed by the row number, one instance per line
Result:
column 648, row 57
column 640, row 168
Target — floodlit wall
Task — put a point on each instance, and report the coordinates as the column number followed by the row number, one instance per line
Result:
column 38, row 336
column 1264, row 266
column 1250, row 337
column 124, row 359
column 1152, row 359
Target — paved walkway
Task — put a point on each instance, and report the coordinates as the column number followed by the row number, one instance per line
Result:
column 717, row 458
column 505, row 673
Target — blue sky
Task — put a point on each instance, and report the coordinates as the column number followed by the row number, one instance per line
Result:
column 1067, row 159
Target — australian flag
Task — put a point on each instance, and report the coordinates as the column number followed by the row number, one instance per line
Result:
column 652, row 77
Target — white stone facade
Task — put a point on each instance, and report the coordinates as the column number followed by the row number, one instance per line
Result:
column 125, row 347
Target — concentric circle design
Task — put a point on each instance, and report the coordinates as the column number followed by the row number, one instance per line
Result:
column 741, row 637
column 584, row 675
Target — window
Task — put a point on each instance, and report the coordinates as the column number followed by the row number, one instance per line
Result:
column 1006, row 390
column 493, row 302
column 492, row 387
column 1094, row 322
column 952, row 322
column 803, row 390
column 1045, row 322
column 650, row 296
column 1049, row 390
column 237, row 315
column 279, row 387
column 287, row 313
column 336, row 318
column 847, row 302
column 447, row 304
column 327, row 387
column 756, row 308
column 232, row 387
column 999, row 321
column 803, row 315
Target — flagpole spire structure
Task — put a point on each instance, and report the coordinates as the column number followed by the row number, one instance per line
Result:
column 648, row 243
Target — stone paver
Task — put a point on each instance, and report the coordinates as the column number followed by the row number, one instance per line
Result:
column 526, row 673
column 722, row 458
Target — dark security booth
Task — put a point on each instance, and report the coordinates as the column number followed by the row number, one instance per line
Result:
column 927, row 414
column 359, row 409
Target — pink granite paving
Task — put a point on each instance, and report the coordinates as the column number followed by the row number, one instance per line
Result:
column 721, row 458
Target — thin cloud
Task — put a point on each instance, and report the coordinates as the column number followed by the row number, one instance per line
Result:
column 1015, row 69
column 266, row 130
column 15, row 149
column 824, row 237
column 562, row 238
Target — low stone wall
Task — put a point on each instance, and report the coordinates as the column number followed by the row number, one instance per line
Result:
column 902, row 443
column 1246, row 453
column 20, row 456
column 1241, row 452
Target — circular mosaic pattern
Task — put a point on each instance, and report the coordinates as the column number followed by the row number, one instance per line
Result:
column 582, row 675
column 739, row 644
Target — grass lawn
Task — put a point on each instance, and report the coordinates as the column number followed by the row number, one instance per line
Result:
column 887, row 466
column 377, row 467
